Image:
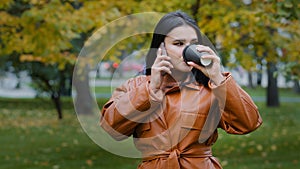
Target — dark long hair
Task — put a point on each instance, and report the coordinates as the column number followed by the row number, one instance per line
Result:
column 167, row 23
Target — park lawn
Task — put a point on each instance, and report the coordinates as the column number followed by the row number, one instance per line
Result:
column 274, row 145
column 262, row 91
column 33, row 137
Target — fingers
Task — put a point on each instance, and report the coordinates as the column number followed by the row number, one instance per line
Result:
column 202, row 48
column 163, row 66
column 211, row 54
column 193, row 64
column 160, row 67
column 212, row 70
column 201, row 68
column 162, row 62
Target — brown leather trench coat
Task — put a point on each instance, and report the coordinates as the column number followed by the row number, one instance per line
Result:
column 176, row 131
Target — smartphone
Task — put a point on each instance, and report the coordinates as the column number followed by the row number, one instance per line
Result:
column 163, row 48
column 163, row 52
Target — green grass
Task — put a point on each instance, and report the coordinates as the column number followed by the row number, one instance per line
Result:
column 103, row 89
column 32, row 137
column 274, row 145
column 260, row 91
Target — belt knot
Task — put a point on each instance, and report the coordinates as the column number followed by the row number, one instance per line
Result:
column 173, row 158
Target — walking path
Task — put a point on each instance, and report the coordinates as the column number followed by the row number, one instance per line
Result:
column 27, row 92
column 17, row 93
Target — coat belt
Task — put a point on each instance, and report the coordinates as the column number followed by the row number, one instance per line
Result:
column 173, row 156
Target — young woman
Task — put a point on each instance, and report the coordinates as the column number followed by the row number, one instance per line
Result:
column 174, row 110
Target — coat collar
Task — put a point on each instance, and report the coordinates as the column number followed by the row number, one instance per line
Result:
column 171, row 85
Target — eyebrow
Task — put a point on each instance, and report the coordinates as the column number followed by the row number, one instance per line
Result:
column 184, row 40
column 181, row 40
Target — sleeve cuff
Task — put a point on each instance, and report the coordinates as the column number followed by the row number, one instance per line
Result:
column 158, row 97
column 212, row 85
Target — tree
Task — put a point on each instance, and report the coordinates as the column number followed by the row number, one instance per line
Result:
column 254, row 32
column 42, row 35
column 279, row 19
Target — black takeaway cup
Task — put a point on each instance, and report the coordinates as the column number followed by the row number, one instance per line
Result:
column 190, row 53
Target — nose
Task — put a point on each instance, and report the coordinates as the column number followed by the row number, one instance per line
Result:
column 187, row 44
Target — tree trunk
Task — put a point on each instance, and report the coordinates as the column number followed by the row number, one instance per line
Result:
column 195, row 9
column 296, row 87
column 259, row 78
column 250, row 83
column 272, row 89
column 66, row 86
column 57, row 102
column 259, row 75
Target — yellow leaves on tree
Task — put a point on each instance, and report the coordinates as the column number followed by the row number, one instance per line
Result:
column 47, row 30
column 59, row 59
column 44, row 32
column 47, row 27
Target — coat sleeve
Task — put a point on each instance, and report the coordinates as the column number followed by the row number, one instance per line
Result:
column 239, row 114
column 129, row 105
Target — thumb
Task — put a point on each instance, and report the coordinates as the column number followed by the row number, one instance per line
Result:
column 201, row 68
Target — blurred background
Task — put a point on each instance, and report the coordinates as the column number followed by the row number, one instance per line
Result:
column 40, row 42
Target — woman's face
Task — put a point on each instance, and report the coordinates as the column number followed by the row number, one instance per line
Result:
column 176, row 41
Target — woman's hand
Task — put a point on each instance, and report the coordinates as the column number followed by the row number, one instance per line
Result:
column 212, row 71
column 160, row 67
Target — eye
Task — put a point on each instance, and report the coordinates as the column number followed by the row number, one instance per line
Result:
column 179, row 43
